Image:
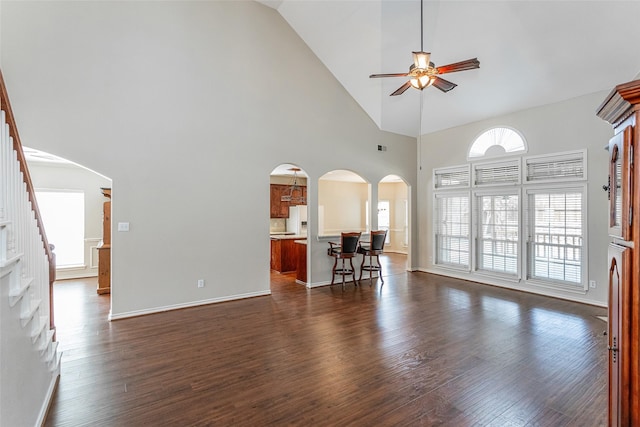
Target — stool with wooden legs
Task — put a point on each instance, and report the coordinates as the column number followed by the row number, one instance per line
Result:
column 347, row 249
column 374, row 248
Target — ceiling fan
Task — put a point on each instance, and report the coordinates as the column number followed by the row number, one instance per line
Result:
column 423, row 73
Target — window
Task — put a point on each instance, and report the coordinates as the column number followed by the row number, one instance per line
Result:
column 497, row 173
column 452, row 230
column 498, row 225
column 383, row 217
column 556, row 167
column 497, row 141
column 405, row 243
column 451, row 177
column 556, row 232
column 63, row 218
column 528, row 219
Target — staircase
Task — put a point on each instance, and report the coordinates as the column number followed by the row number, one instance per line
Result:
column 29, row 356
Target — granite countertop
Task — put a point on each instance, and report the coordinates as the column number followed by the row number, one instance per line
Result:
column 287, row 236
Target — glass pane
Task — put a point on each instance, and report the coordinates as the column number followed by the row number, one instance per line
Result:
column 499, row 224
column 556, row 249
column 63, row 218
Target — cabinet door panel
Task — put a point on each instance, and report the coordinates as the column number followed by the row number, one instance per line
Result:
column 618, row 319
column 620, row 185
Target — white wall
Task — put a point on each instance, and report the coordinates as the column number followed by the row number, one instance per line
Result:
column 72, row 177
column 569, row 125
column 188, row 107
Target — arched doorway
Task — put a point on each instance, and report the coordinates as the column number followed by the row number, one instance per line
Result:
column 288, row 225
column 394, row 216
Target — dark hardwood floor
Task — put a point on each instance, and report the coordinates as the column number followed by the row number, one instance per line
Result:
column 419, row 350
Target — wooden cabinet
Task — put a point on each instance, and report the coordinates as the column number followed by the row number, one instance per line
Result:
column 283, row 255
column 619, row 184
column 301, row 261
column 622, row 110
column 280, row 209
column 104, row 248
column 618, row 333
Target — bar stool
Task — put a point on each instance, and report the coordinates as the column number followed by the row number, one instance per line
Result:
column 347, row 249
column 375, row 248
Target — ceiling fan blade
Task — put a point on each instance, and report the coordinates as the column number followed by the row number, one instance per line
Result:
column 469, row 64
column 443, row 85
column 375, row 76
column 401, row 89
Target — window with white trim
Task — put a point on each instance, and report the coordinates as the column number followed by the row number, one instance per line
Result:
column 556, row 236
column 452, row 234
column 498, row 219
column 496, row 173
column 453, row 177
column 555, row 167
column 528, row 219
column 497, row 141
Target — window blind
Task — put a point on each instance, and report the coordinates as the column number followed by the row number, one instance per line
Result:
column 451, row 177
column 498, row 225
column 452, row 230
column 567, row 166
column 497, row 173
column 557, row 240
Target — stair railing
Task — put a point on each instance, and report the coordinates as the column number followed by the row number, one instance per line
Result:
column 5, row 106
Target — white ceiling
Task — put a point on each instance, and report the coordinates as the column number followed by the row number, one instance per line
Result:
column 531, row 53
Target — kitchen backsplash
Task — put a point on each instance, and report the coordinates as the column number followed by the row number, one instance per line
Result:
column 277, row 225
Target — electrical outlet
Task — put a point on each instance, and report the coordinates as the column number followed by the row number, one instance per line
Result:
column 592, row 284
column 201, row 283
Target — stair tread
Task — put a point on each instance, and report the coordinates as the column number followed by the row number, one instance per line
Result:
column 27, row 315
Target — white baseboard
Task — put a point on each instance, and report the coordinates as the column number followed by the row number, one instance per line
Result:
column 144, row 312
column 53, row 385
column 485, row 281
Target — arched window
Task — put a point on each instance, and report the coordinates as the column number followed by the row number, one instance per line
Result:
column 497, row 141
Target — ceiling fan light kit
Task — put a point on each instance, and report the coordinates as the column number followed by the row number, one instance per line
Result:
column 423, row 73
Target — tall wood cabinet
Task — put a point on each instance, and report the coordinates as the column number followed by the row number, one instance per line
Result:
column 104, row 248
column 621, row 109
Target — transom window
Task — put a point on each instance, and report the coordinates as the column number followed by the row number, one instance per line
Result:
column 497, row 141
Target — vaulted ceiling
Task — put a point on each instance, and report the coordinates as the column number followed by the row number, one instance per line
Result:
column 531, row 53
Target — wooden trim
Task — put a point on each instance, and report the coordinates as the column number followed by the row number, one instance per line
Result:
column 620, row 103
column 17, row 146
column 634, row 327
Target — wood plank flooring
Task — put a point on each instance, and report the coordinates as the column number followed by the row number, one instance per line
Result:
column 420, row 350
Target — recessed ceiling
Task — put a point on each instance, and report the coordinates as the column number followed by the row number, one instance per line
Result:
column 531, row 53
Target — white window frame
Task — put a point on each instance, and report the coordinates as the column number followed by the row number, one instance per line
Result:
column 462, row 173
column 523, row 148
column 512, row 166
column 567, row 156
column 581, row 188
column 436, row 217
column 477, row 209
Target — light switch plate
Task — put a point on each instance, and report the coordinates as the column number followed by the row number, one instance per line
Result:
column 123, row 226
